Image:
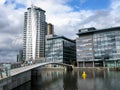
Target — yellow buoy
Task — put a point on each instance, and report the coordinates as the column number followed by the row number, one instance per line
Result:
column 84, row 75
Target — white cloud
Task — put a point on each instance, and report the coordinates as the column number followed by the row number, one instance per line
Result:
column 58, row 12
column 11, row 28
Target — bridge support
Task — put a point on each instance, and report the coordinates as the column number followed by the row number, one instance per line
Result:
column 12, row 82
column 69, row 68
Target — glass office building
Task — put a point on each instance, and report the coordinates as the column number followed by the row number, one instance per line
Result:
column 20, row 56
column 60, row 48
column 99, row 47
column 84, row 48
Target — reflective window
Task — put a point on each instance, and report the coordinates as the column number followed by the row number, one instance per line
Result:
column 107, row 46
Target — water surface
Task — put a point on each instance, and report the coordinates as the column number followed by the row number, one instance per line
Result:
column 61, row 80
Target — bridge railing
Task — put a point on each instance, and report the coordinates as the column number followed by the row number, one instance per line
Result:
column 29, row 62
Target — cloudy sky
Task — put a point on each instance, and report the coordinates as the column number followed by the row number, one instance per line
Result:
column 67, row 16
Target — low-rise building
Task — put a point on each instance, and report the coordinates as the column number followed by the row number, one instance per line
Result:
column 98, row 47
column 60, row 48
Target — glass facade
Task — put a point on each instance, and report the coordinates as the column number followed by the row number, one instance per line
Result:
column 101, row 47
column 60, row 49
column 84, row 46
column 107, row 45
column 54, row 50
column 69, row 51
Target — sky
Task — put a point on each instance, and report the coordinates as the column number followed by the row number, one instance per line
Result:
column 67, row 16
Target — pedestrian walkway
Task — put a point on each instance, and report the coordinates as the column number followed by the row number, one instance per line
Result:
column 7, row 72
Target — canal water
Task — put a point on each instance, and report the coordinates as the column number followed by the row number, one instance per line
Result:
column 62, row 80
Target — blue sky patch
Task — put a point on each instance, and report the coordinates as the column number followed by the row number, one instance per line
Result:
column 77, row 5
column 89, row 4
column 18, row 5
column 7, row 2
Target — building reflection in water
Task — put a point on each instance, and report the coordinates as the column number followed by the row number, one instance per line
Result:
column 98, row 80
column 70, row 81
column 48, row 80
column 61, row 80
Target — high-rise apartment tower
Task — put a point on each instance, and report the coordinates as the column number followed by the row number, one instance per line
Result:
column 34, row 33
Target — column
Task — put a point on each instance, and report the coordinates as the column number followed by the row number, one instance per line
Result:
column 93, row 64
column 115, row 64
column 78, row 64
column 83, row 64
column 103, row 63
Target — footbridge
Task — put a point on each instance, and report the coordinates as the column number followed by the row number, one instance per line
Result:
column 18, row 76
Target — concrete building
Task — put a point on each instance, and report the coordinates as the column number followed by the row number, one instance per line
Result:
column 98, row 47
column 50, row 29
column 60, row 48
column 34, row 34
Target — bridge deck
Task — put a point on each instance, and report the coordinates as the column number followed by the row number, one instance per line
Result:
column 27, row 68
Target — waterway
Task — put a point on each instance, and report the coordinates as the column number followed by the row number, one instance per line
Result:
column 62, row 80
